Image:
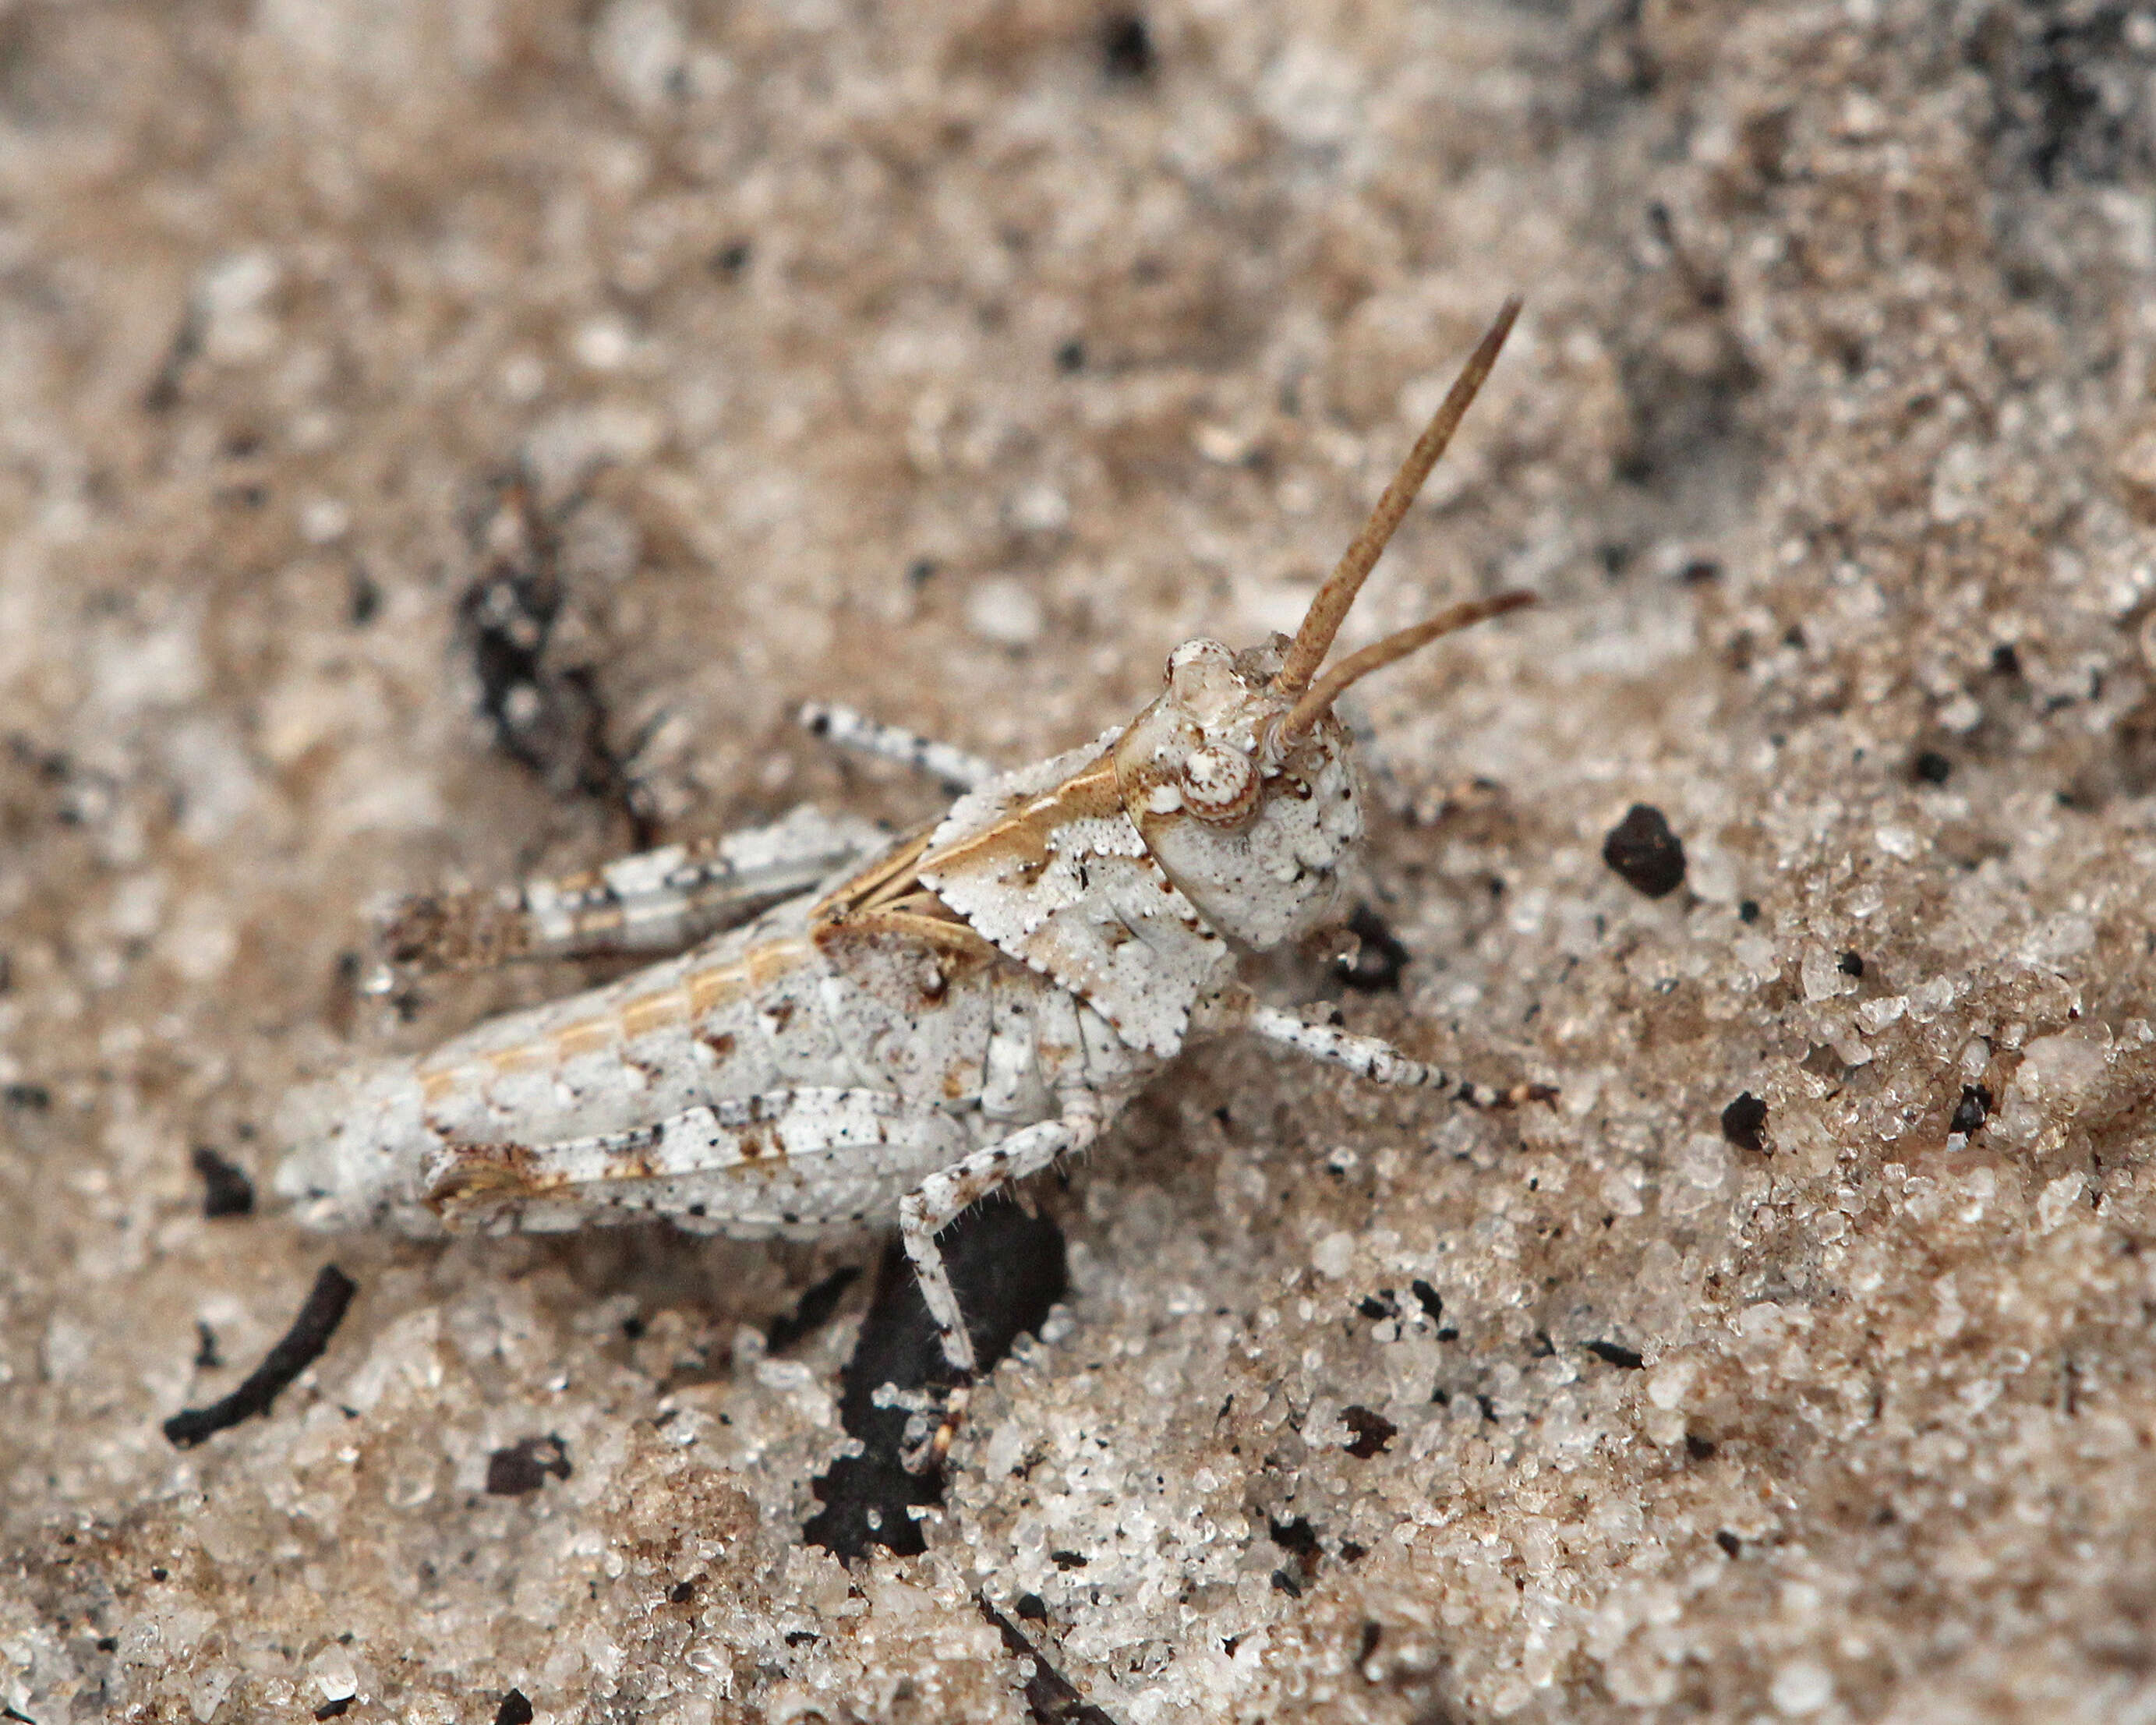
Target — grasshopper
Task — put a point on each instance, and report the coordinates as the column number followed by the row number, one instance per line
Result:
column 854, row 1028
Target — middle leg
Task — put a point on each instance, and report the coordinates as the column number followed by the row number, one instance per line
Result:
column 939, row 1198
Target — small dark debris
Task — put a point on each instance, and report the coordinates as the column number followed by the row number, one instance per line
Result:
column 1731, row 1545
column 1698, row 1448
column 1284, row 1582
column 207, row 1357
column 1748, row 911
column 1699, row 571
column 1972, row 1111
column 1126, row 51
column 1050, row 1698
column 1427, row 1298
column 633, row 1327
column 163, row 394
column 1009, row 1269
column 680, row 1593
column 1372, row 1432
column 159, row 1573
column 1644, row 854
column 1379, row 957
column 108, row 1644
column 363, row 599
column 1616, row 1353
column 1368, row 1645
column 1351, row 1552
column 32, row 1098
column 732, row 257
column 542, row 705
column 1378, row 1309
column 299, row 1348
column 2005, row 660
column 524, row 1467
column 812, row 1310
column 801, row 1638
column 1851, row 964
column 335, row 1709
column 515, row 1709
column 1298, row 1537
column 1032, row 1608
column 918, row 574
column 1070, row 357
column 1931, row 768
column 1744, row 1123
column 226, row 1189
column 1067, row 1560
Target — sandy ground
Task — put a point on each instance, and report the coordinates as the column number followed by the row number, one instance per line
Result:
column 955, row 361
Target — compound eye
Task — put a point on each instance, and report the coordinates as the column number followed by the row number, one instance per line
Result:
column 1199, row 666
column 1220, row 785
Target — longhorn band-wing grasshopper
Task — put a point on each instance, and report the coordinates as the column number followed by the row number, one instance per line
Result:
column 908, row 1025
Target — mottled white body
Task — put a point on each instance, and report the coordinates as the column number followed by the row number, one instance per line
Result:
column 937, row 1017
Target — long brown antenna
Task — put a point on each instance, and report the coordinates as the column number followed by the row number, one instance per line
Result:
column 1379, row 653
column 1328, row 610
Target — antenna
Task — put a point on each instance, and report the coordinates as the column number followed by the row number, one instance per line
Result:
column 1380, row 653
column 1329, row 608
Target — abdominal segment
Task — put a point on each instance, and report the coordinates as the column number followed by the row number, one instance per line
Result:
column 806, row 1158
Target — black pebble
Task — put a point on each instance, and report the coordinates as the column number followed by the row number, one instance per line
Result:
column 1647, row 855
column 1972, row 1111
column 226, row 1190
column 1744, row 1123
column 1616, row 1353
column 523, row 1466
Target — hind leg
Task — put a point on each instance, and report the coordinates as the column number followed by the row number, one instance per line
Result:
column 655, row 902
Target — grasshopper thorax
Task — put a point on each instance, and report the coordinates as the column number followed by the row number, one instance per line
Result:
column 1251, row 827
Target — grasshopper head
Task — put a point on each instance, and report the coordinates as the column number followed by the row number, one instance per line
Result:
column 1251, row 825
column 1238, row 777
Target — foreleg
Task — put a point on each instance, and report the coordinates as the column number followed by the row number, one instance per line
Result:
column 655, row 902
column 1381, row 1063
column 848, row 729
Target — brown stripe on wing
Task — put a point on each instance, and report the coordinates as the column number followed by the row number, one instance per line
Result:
column 1022, row 834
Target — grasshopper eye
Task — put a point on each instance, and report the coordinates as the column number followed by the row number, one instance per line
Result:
column 1220, row 785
